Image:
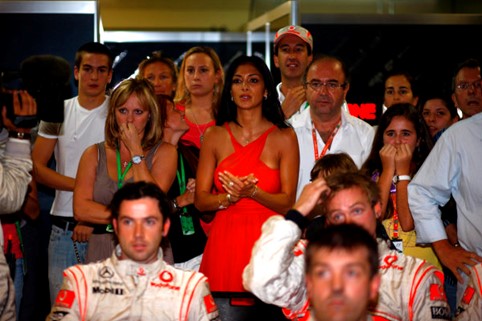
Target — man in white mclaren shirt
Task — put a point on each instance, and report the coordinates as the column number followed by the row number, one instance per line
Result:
column 410, row 289
column 342, row 276
column 135, row 283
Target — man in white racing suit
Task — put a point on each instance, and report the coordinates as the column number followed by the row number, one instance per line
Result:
column 410, row 289
column 135, row 283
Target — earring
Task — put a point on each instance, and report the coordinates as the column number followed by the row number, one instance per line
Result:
column 265, row 97
column 232, row 99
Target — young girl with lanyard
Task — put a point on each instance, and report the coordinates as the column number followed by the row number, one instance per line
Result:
column 400, row 146
column 132, row 151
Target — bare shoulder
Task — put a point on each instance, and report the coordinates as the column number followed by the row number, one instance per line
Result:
column 90, row 153
column 216, row 130
column 283, row 136
column 214, row 135
column 166, row 148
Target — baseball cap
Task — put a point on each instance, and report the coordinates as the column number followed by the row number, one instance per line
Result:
column 298, row 31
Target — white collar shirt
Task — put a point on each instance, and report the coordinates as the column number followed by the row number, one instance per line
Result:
column 354, row 137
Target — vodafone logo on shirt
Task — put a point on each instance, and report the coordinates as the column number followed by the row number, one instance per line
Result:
column 210, row 304
column 65, row 299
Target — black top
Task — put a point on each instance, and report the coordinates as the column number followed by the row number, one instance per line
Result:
column 186, row 247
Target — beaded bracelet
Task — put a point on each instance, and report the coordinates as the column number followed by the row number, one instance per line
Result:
column 221, row 206
column 254, row 191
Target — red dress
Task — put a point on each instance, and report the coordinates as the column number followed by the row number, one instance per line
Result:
column 195, row 134
column 236, row 229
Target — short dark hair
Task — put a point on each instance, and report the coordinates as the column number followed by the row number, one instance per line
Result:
column 447, row 101
column 348, row 237
column 271, row 107
column 333, row 163
column 93, row 48
column 470, row 63
column 139, row 190
column 321, row 57
column 411, row 80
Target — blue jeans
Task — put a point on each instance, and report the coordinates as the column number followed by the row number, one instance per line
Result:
column 62, row 256
column 18, row 283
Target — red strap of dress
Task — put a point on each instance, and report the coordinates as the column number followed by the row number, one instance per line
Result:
column 237, row 144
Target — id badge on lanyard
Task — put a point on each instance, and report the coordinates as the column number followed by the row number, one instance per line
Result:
column 397, row 242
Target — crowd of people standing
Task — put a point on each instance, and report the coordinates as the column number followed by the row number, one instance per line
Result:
column 232, row 154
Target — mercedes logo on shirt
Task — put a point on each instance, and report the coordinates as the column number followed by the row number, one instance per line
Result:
column 106, row 272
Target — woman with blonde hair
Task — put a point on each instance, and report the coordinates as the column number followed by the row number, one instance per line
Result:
column 132, row 151
column 198, row 94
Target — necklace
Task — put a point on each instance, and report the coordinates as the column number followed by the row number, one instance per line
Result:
column 201, row 133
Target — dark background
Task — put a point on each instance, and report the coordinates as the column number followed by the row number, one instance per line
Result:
column 429, row 52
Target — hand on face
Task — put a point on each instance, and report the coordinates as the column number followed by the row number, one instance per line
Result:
column 24, row 105
column 403, row 159
column 396, row 159
column 387, row 157
column 293, row 100
column 130, row 137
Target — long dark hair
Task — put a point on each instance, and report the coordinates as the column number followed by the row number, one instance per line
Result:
column 409, row 112
column 271, row 107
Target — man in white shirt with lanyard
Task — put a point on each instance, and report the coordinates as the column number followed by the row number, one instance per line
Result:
column 83, row 125
column 293, row 51
column 325, row 127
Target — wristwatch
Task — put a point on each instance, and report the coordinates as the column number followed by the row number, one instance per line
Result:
column 176, row 206
column 398, row 178
column 19, row 135
column 137, row 159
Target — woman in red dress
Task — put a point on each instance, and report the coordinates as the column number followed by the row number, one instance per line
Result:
column 248, row 171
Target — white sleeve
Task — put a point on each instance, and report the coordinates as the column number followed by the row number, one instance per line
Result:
column 203, row 307
column 276, row 272
column 15, row 167
column 68, row 303
column 431, row 188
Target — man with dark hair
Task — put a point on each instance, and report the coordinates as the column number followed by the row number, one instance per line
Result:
column 293, row 51
column 83, row 126
column 135, row 283
column 342, row 273
column 467, row 89
column 325, row 127
column 452, row 169
column 411, row 289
